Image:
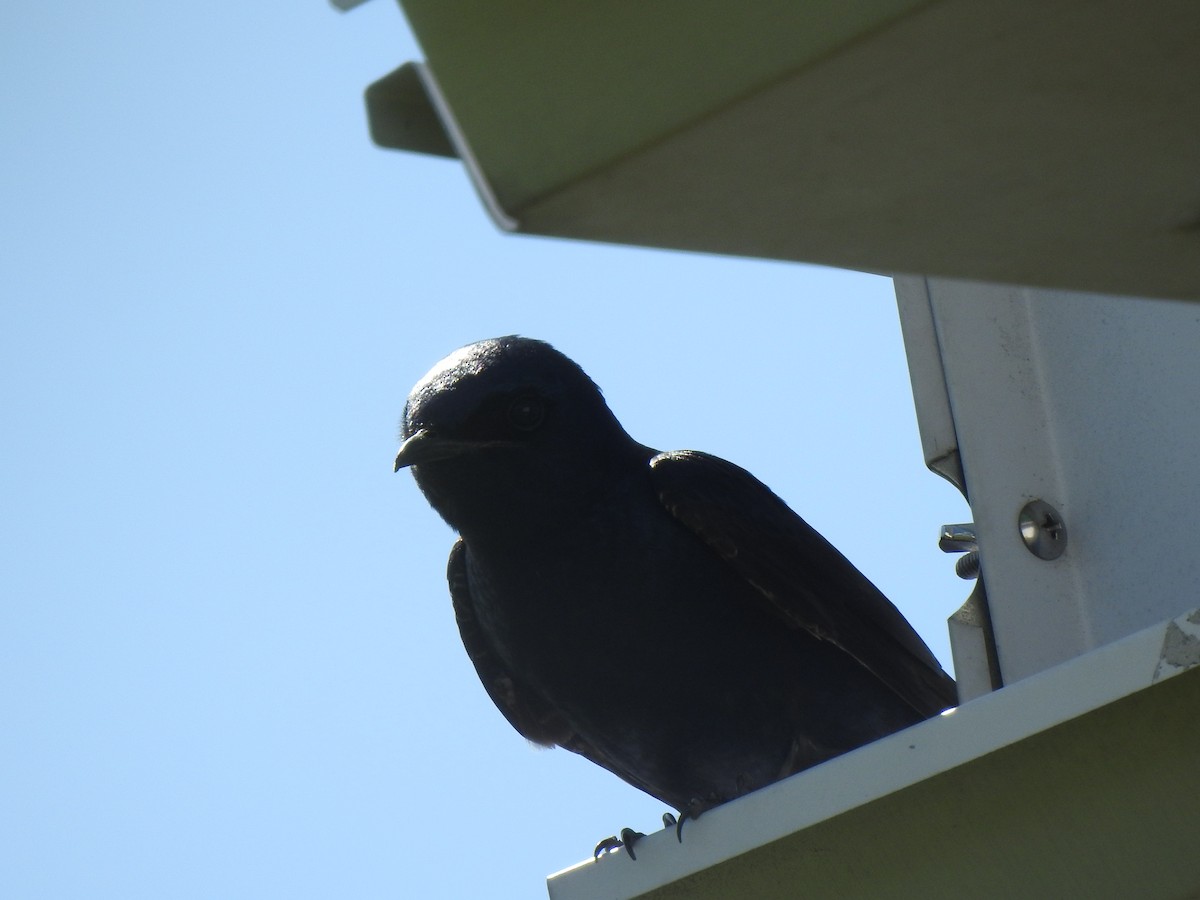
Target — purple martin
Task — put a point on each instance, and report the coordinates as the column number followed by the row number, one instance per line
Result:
column 663, row 614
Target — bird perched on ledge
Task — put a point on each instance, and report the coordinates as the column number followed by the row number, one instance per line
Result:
column 663, row 614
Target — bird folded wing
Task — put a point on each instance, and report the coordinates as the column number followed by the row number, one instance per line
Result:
column 526, row 710
column 796, row 569
column 532, row 715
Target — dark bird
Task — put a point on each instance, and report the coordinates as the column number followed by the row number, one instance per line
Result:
column 663, row 614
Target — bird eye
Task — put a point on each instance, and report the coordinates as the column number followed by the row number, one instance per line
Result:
column 526, row 413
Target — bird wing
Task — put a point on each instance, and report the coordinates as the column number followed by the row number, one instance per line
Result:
column 808, row 583
column 530, row 713
column 526, row 709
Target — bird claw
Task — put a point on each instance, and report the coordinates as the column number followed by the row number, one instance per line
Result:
column 628, row 838
column 606, row 845
column 691, row 811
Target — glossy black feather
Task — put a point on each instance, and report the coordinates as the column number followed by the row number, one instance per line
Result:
column 798, row 572
column 528, row 712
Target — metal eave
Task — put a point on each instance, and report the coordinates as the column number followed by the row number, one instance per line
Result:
column 1036, row 143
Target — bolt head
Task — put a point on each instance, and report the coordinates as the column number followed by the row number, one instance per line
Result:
column 1042, row 529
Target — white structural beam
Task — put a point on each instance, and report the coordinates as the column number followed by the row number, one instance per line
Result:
column 1078, row 782
column 1089, row 403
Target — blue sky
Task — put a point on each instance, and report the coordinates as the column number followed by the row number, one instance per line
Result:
column 228, row 664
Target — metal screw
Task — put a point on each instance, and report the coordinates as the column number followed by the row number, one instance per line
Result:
column 967, row 566
column 962, row 539
column 1042, row 529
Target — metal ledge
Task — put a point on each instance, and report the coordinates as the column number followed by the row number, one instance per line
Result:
column 1049, row 144
column 1080, row 781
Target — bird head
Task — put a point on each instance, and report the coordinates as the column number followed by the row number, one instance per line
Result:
column 507, row 423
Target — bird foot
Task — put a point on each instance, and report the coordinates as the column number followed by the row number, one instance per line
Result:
column 628, row 838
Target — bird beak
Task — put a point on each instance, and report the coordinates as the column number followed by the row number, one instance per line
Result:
column 425, row 446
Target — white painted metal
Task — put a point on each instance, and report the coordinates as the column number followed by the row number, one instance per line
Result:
column 931, row 396
column 912, row 761
column 1031, row 142
column 972, row 648
column 1091, row 403
column 502, row 219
